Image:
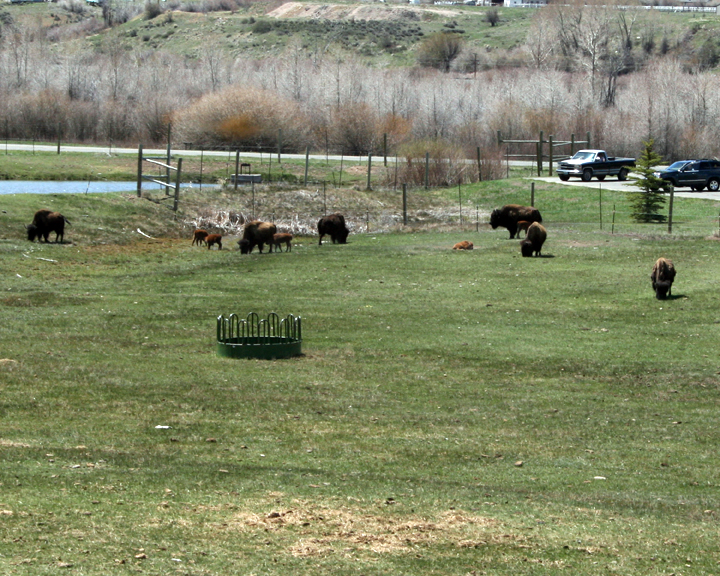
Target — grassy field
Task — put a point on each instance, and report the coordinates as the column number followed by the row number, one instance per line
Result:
column 453, row 413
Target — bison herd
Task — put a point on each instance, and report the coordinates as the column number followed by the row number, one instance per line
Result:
column 513, row 217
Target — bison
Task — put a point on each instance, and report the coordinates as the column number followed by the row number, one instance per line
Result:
column 662, row 277
column 508, row 217
column 199, row 237
column 534, row 240
column 464, row 245
column 523, row 225
column 211, row 239
column 334, row 225
column 257, row 233
column 280, row 239
column 44, row 222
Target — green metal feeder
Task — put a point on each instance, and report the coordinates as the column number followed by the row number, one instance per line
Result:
column 266, row 339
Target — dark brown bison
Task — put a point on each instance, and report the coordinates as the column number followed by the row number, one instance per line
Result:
column 334, row 225
column 508, row 217
column 257, row 233
column 211, row 239
column 280, row 239
column 44, row 222
column 464, row 245
column 534, row 240
column 199, row 237
column 662, row 277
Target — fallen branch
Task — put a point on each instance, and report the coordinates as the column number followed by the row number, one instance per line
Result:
column 143, row 233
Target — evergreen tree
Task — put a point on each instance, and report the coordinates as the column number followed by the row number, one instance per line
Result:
column 647, row 203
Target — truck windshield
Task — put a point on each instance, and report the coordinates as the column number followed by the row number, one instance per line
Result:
column 584, row 156
column 678, row 165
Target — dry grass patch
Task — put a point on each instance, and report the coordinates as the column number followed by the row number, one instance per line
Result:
column 312, row 530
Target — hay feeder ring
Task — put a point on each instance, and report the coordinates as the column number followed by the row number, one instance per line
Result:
column 266, row 339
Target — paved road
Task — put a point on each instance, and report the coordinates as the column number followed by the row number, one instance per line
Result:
column 626, row 186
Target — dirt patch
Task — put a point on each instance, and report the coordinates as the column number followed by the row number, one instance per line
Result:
column 355, row 12
column 322, row 531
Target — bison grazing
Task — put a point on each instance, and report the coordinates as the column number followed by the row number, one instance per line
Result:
column 199, row 237
column 464, row 245
column 534, row 240
column 211, row 239
column 257, row 233
column 44, row 222
column 508, row 217
column 663, row 275
column 280, row 239
column 334, row 225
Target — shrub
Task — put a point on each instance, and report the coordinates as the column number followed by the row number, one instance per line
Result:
column 439, row 50
column 243, row 117
column 152, row 9
column 446, row 165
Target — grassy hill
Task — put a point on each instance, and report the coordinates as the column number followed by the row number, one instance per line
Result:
column 382, row 34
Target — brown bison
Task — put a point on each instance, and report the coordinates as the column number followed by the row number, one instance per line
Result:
column 334, row 225
column 211, row 239
column 508, row 217
column 44, row 222
column 534, row 240
column 464, row 245
column 257, row 233
column 523, row 225
column 280, row 239
column 663, row 275
column 199, row 237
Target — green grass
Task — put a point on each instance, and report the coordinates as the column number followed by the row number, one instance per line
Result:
column 394, row 444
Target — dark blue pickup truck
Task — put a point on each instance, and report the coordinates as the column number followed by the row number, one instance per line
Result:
column 589, row 164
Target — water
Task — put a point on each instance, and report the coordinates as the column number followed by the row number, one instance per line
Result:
column 72, row 187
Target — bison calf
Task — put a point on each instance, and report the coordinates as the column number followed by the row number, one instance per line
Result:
column 199, row 237
column 662, row 277
column 523, row 225
column 464, row 245
column 211, row 239
column 534, row 240
column 280, row 239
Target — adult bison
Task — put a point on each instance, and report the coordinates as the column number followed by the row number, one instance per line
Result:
column 534, row 240
column 509, row 215
column 257, row 233
column 44, row 222
column 662, row 277
column 334, row 226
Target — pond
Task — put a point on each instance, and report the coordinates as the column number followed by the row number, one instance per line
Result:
column 73, row 187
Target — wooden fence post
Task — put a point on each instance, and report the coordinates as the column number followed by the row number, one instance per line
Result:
column 177, row 185
column 139, row 173
column 307, row 162
column 427, row 170
column 404, row 198
column 550, row 159
column 670, row 211
column 479, row 164
column 369, row 171
column 237, row 165
column 385, row 149
column 532, row 194
column 540, row 154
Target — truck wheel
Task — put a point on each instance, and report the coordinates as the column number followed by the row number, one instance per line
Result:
column 622, row 175
column 713, row 184
column 564, row 177
column 601, row 178
column 587, row 175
